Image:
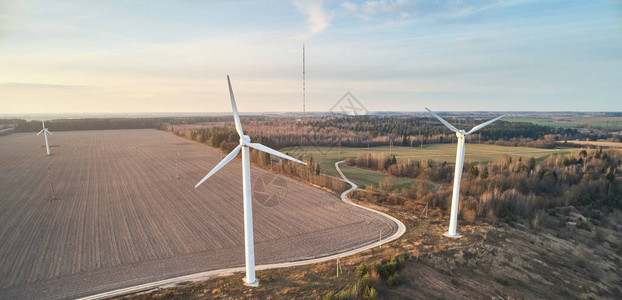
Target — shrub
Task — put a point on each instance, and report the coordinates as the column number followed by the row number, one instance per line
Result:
column 583, row 225
column 502, row 281
column 329, row 296
column 394, row 280
column 385, row 270
column 562, row 222
column 343, row 295
column 468, row 214
column 362, row 269
column 599, row 236
column 537, row 219
column 362, row 286
column 373, row 294
column 473, row 171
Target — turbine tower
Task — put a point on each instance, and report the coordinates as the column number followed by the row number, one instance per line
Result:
column 461, row 134
column 245, row 144
column 45, row 134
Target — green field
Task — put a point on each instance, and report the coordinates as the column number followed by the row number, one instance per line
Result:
column 327, row 156
column 607, row 123
column 364, row 177
column 545, row 122
column 479, row 153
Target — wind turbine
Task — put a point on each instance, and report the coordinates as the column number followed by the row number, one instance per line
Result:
column 45, row 134
column 461, row 134
column 245, row 144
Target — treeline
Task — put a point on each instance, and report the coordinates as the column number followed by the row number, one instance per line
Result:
column 331, row 131
column 8, row 122
column 508, row 188
column 402, row 128
column 346, row 131
column 364, row 131
column 548, row 142
column 7, row 126
column 226, row 139
column 107, row 123
column 89, row 124
column 400, row 131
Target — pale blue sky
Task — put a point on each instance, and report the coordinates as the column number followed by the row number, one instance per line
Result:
column 173, row 56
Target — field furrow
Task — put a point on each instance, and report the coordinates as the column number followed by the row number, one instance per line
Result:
column 123, row 218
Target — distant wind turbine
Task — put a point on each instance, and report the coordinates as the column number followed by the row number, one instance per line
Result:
column 45, row 134
column 461, row 134
column 245, row 143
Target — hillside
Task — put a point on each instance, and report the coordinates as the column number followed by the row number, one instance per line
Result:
column 516, row 261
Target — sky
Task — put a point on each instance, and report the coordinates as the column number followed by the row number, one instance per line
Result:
column 403, row 55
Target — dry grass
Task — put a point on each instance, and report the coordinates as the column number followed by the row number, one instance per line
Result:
column 596, row 144
column 488, row 262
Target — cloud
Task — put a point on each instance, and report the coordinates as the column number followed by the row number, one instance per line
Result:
column 349, row 6
column 379, row 8
column 424, row 11
column 317, row 19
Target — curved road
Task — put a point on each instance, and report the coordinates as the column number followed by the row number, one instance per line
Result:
column 401, row 229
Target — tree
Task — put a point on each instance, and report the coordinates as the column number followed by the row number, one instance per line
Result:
column 387, row 184
column 473, row 171
column 484, row 174
column 610, row 175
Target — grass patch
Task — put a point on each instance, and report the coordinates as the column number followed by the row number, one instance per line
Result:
column 607, row 123
column 475, row 153
column 363, row 177
column 550, row 122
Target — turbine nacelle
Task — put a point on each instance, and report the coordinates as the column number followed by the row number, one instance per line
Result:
column 245, row 140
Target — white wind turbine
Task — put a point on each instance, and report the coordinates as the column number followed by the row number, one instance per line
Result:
column 45, row 134
column 461, row 134
column 245, row 143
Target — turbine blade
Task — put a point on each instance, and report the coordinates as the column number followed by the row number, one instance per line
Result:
column 274, row 152
column 480, row 126
column 236, row 116
column 46, row 130
column 451, row 127
column 43, row 123
column 40, row 131
column 221, row 164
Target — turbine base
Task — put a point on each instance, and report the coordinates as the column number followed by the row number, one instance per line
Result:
column 252, row 284
column 453, row 236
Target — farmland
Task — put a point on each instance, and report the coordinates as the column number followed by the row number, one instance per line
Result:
column 122, row 218
column 365, row 177
column 605, row 123
column 475, row 153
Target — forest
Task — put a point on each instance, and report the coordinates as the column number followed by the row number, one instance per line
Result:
column 506, row 189
column 367, row 131
column 105, row 123
column 361, row 131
